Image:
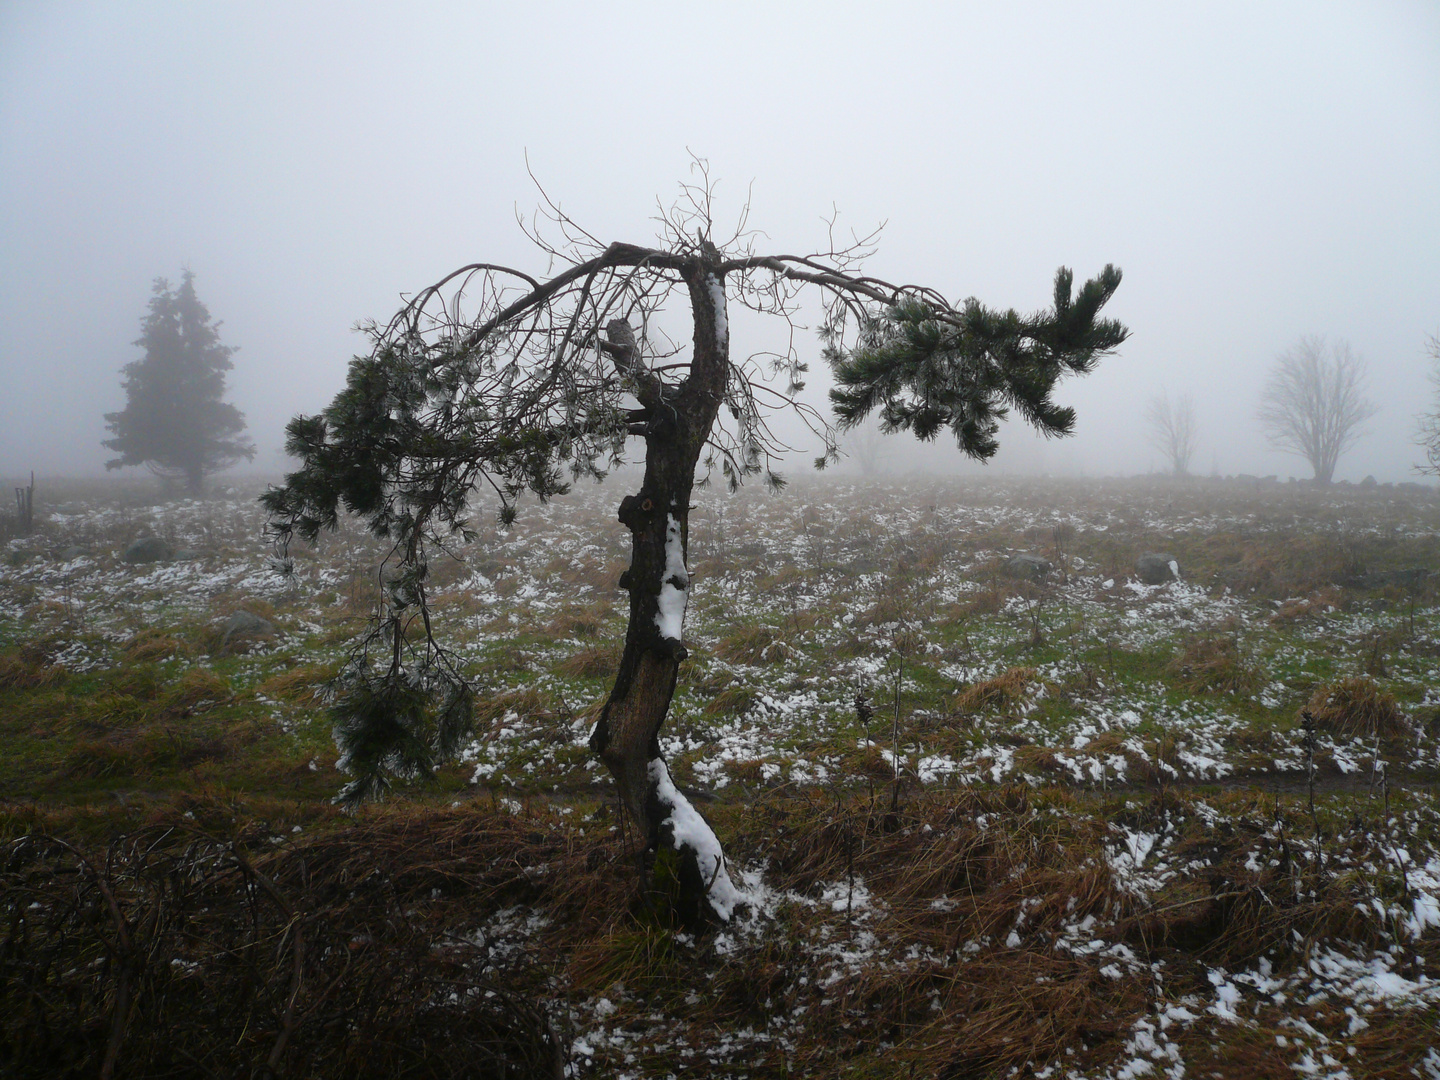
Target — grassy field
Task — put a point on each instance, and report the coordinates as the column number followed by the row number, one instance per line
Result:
column 990, row 826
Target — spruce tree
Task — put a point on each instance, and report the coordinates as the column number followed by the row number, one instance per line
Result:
column 174, row 421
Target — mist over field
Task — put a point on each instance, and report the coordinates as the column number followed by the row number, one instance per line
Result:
column 1259, row 175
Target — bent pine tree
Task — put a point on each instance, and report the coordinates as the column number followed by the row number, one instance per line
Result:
column 493, row 377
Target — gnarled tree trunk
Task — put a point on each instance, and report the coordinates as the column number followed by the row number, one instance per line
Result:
column 676, row 423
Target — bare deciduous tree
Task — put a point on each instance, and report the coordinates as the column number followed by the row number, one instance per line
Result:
column 1428, row 435
column 1172, row 430
column 497, row 377
column 1313, row 404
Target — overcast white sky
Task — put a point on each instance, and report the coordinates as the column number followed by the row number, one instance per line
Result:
column 1259, row 171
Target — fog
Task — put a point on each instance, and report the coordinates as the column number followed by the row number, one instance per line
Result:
column 1260, row 173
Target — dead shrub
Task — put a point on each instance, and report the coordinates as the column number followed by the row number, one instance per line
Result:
column 1004, row 693
column 1213, row 664
column 908, row 643
column 892, row 608
column 1357, row 706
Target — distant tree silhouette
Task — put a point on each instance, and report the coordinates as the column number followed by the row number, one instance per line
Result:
column 174, row 421
column 1172, row 430
column 1313, row 404
column 1429, row 434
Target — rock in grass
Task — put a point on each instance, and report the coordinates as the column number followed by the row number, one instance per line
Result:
column 1026, row 566
column 243, row 630
column 1157, row 569
column 147, row 549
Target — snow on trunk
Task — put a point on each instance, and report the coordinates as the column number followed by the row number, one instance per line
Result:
column 690, row 830
column 722, row 320
column 674, row 586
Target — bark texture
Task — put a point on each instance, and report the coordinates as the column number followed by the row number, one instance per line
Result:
column 676, row 422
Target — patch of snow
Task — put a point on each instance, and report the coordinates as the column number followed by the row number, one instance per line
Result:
column 717, row 299
column 690, row 830
column 674, row 586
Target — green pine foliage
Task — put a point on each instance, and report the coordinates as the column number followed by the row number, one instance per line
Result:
column 925, row 369
column 175, row 421
column 423, row 421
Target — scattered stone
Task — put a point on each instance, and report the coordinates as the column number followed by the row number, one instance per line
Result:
column 147, row 549
column 243, row 630
column 1157, row 569
column 1028, row 567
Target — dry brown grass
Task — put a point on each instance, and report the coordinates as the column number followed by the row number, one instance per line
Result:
column 731, row 701
column 1319, row 602
column 526, row 702
column 1282, row 565
column 1214, row 663
column 581, row 622
column 1084, row 682
column 1036, row 759
column 1004, row 693
column 595, row 662
column 304, row 685
column 96, row 759
column 988, row 601
column 389, row 903
column 153, row 644
column 28, row 668
column 231, row 952
column 1357, row 706
column 196, row 688
column 754, row 645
